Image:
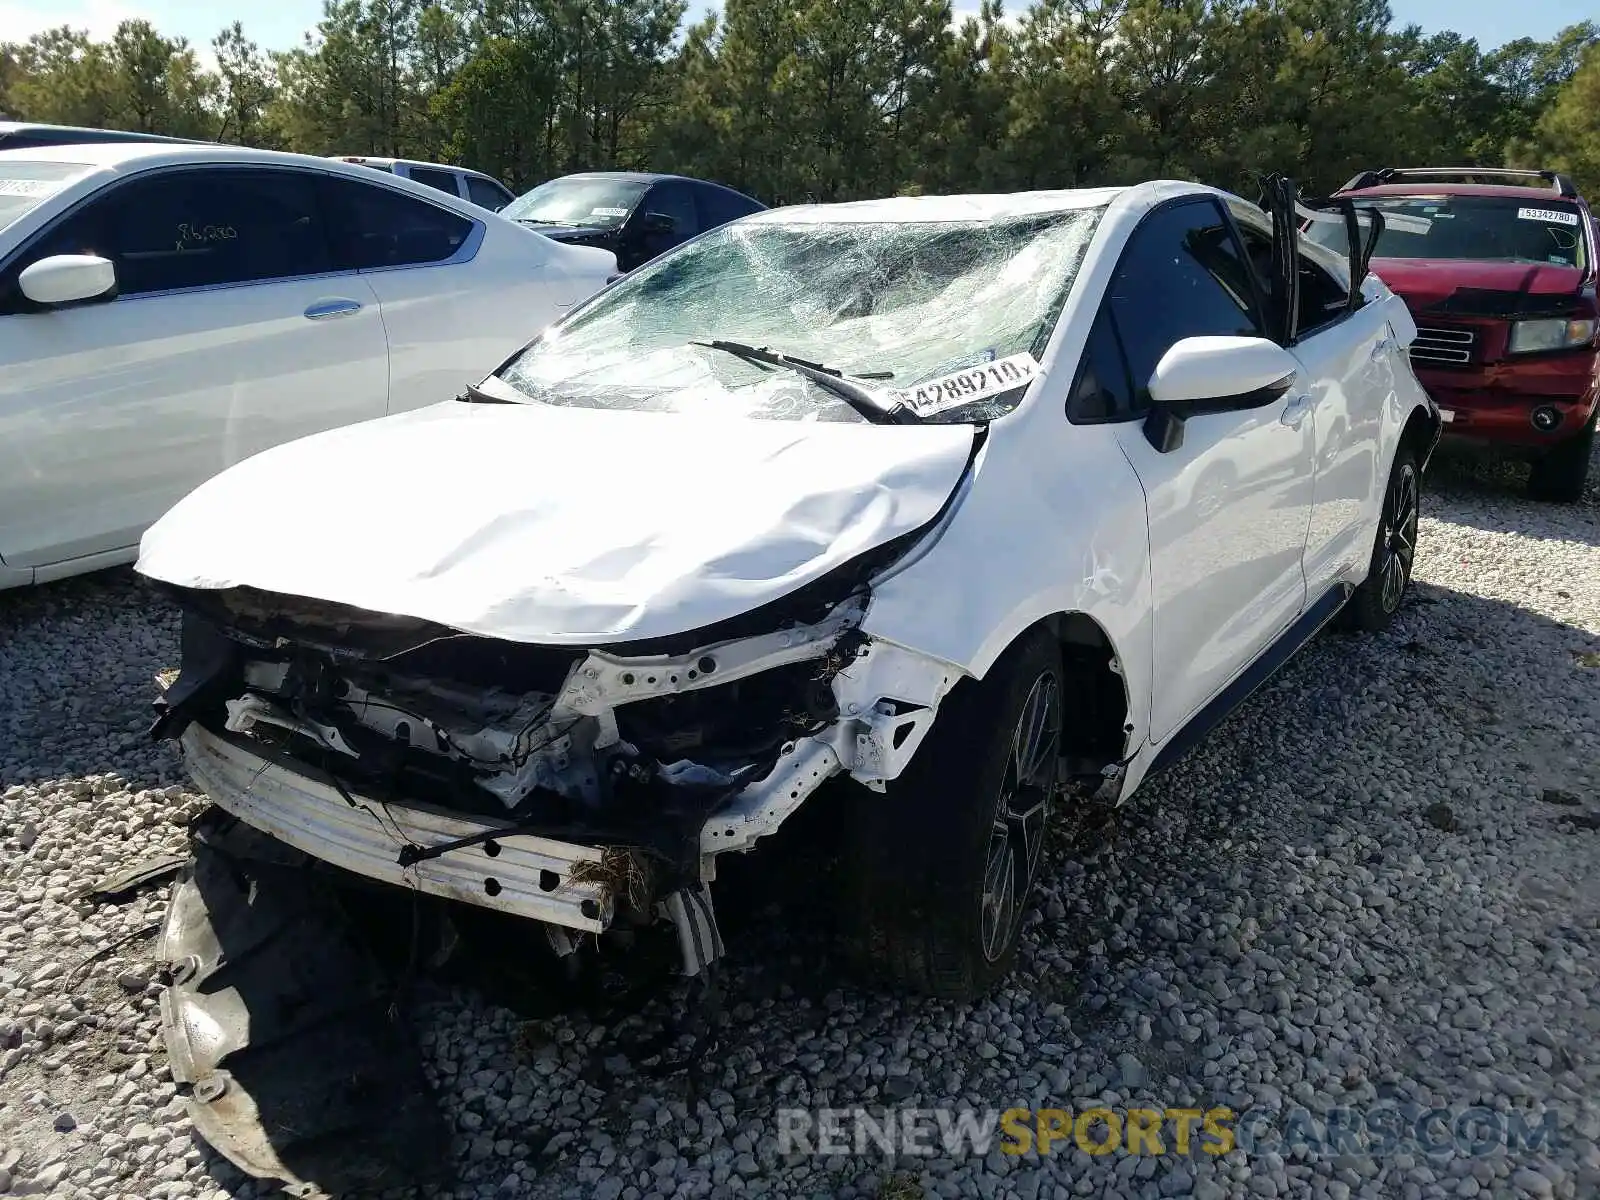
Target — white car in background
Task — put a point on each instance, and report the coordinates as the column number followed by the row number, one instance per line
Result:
column 483, row 190
column 168, row 310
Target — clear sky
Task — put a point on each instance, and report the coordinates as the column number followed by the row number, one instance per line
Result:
column 279, row 24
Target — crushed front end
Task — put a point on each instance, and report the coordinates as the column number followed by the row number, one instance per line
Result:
column 585, row 788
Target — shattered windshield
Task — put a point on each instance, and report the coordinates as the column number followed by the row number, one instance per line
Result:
column 948, row 317
column 576, row 200
column 1473, row 228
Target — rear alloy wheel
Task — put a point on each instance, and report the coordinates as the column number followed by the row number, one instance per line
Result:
column 942, row 865
column 1376, row 601
column 1561, row 474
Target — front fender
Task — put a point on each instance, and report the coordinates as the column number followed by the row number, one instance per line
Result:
column 1053, row 521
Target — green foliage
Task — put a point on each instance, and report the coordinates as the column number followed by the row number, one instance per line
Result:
column 795, row 100
column 1567, row 136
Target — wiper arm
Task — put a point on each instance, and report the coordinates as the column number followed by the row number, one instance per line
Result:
column 476, row 395
column 873, row 405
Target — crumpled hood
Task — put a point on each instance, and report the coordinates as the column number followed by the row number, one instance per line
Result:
column 537, row 523
column 1429, row 283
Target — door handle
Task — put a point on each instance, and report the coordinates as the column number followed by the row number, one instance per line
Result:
column 1295, row 411
column 332, row 308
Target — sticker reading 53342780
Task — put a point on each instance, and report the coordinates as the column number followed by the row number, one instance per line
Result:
column 1554, row 215
column 973, row 383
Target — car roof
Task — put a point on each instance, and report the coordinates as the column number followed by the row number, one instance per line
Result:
column 89, row 133
column 648, row 177
column 901, row 209
column 1503, row 191
column 116, row 156
column 410, row 162
column 113, row 155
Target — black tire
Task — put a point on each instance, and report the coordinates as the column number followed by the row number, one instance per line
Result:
column 919, row 856
column 1559, row 477
column 1394, row 549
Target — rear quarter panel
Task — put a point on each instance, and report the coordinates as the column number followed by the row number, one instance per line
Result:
column 449, row 326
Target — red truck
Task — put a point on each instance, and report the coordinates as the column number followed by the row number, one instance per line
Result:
column 1500, row 279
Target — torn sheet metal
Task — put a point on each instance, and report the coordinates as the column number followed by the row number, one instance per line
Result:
column 278, row 1023
column 537, row 523
column 529, row 876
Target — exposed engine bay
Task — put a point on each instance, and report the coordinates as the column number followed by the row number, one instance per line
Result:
column 579, row 787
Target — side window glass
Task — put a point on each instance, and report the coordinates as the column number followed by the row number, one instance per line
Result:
column 719, row 206
column 1101, row 392
column 1180, row 276
column 677, row 201
column 200, row 228
column 375, row 226
column 487, row 194
column 1258, row 250
column 1323, row 298
column 444, row 181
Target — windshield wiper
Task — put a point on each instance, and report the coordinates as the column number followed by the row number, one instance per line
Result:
column 873, row 405
column 476, row 395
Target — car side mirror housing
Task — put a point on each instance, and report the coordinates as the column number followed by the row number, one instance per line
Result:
column 1213, row 374
column 68, row 279
column 659, row 222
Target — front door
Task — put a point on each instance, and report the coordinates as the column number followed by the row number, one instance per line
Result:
column 228, row 335
column 1228, row 508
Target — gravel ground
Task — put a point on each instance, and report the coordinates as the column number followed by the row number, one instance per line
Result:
column 1377, row 884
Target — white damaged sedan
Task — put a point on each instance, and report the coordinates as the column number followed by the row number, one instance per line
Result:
column 958, row 501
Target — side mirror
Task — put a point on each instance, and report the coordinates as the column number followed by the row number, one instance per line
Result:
column 660, row 222
column 1213, row 374
column 68, row 279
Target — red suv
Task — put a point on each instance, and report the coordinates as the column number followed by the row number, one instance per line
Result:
column 1500, row 279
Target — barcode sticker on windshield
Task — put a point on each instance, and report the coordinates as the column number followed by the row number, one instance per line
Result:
column 608, row 212
column 28, row 187
column 1547, row 214
column 973, row 383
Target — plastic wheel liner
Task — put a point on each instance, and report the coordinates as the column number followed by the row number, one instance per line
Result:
column 282, row 1024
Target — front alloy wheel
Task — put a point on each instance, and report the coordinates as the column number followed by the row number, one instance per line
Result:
column 941, row 866
column 1022, row 808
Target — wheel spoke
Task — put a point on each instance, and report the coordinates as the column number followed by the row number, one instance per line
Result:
column 1016, row 838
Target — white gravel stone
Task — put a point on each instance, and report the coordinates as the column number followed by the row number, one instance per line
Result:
column 1367, row 887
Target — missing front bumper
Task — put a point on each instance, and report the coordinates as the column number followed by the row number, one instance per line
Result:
column 531, row 877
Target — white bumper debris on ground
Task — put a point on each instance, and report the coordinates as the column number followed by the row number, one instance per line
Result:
column 1379, row 882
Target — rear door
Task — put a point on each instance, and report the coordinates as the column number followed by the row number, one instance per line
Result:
column 447, row 313
column 230, row 332
column 1348, row 377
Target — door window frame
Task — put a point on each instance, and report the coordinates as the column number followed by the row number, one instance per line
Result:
column 1247, row 217
column 465, row 253
column 1257, row 311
